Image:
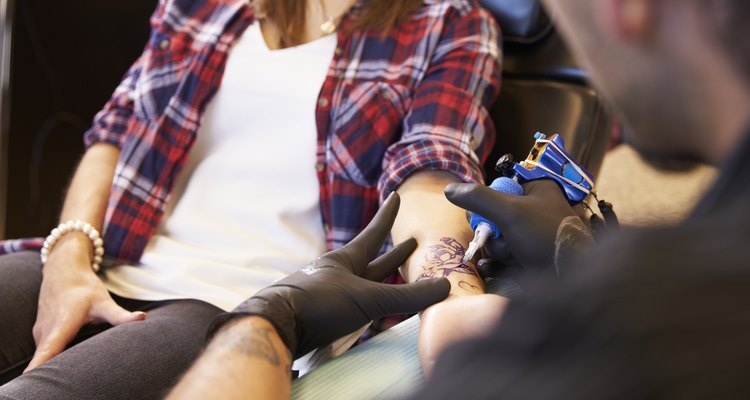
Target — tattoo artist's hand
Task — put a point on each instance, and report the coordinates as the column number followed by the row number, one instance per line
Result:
column 340, row 291
column 529, row 223
column 71, row 296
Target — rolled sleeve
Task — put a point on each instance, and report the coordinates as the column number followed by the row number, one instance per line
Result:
column 427, row 154
column 111, row 123
column 448, row 126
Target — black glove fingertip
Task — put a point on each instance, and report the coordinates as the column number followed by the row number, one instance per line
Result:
column 454, row 191
column 385, row 265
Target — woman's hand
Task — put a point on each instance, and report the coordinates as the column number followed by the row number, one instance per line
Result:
column 71, row 296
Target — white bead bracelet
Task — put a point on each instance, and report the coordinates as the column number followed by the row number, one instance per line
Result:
column 75, row 226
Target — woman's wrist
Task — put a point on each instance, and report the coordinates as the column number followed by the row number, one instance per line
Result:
column 73, row 251
column 85, row 240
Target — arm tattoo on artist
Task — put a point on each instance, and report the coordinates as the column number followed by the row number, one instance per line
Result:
column 254, row 344
column 444, row 259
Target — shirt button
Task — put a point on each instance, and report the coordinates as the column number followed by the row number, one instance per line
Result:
column 323, row 102
column 338, row 51
column 327, row 227
column 320, row 166
column 164, row 44
column 387, row 95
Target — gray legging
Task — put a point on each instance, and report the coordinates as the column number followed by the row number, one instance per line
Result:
column 139, row 360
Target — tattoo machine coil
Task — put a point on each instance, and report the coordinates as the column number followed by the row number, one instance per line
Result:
column 548, row 159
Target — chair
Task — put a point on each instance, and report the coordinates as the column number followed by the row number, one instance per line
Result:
column 543, row 89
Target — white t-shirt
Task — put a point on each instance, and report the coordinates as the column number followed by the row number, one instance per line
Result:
column 245, row 210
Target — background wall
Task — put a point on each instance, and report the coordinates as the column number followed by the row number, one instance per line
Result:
column 67, row 58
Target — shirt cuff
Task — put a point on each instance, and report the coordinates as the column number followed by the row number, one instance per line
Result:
column 94, row 136
column 432, row 155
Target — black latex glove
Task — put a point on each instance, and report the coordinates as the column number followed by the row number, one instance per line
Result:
column 529, row 223
column 340, row 292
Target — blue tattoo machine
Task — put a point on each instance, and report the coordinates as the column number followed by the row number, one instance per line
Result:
column 548, row 159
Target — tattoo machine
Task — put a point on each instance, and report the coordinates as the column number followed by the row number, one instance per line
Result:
column 548, row 159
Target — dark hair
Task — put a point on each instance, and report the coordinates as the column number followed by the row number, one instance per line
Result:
column 730, row 18
column 289, row 15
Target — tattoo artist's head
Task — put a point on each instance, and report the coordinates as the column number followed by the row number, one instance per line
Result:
column 676, row 71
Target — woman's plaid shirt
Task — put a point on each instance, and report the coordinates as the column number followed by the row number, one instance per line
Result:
column 413, row 99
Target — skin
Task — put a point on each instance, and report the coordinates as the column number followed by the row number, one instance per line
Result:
column 247, row 359
column 427, row 216
column 316, row 14
column 71, row 294
column 443, row 234
column 223, row 369
column 441, row 230
column 648, row 58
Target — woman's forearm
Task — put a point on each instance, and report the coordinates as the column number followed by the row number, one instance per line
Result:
column 71, row 295
column 87, row 195
column 441, row 231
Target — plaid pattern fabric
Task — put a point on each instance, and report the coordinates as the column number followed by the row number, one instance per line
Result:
column 414, row 99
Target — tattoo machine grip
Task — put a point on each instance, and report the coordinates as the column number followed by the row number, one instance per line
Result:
column 483, row 228
column 502, row 184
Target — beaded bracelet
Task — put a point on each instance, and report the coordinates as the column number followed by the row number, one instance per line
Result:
column 75, row 226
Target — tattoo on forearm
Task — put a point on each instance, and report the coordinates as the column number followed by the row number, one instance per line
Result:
column 444, row 259
column 254, row 344
column 468, row 286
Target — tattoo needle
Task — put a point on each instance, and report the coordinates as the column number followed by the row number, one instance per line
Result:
column 481, row 234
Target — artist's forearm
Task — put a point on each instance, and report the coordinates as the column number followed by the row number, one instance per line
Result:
column 245, row 360
column 441, row 231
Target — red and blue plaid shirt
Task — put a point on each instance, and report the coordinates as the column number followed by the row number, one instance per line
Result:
column 415, row 99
